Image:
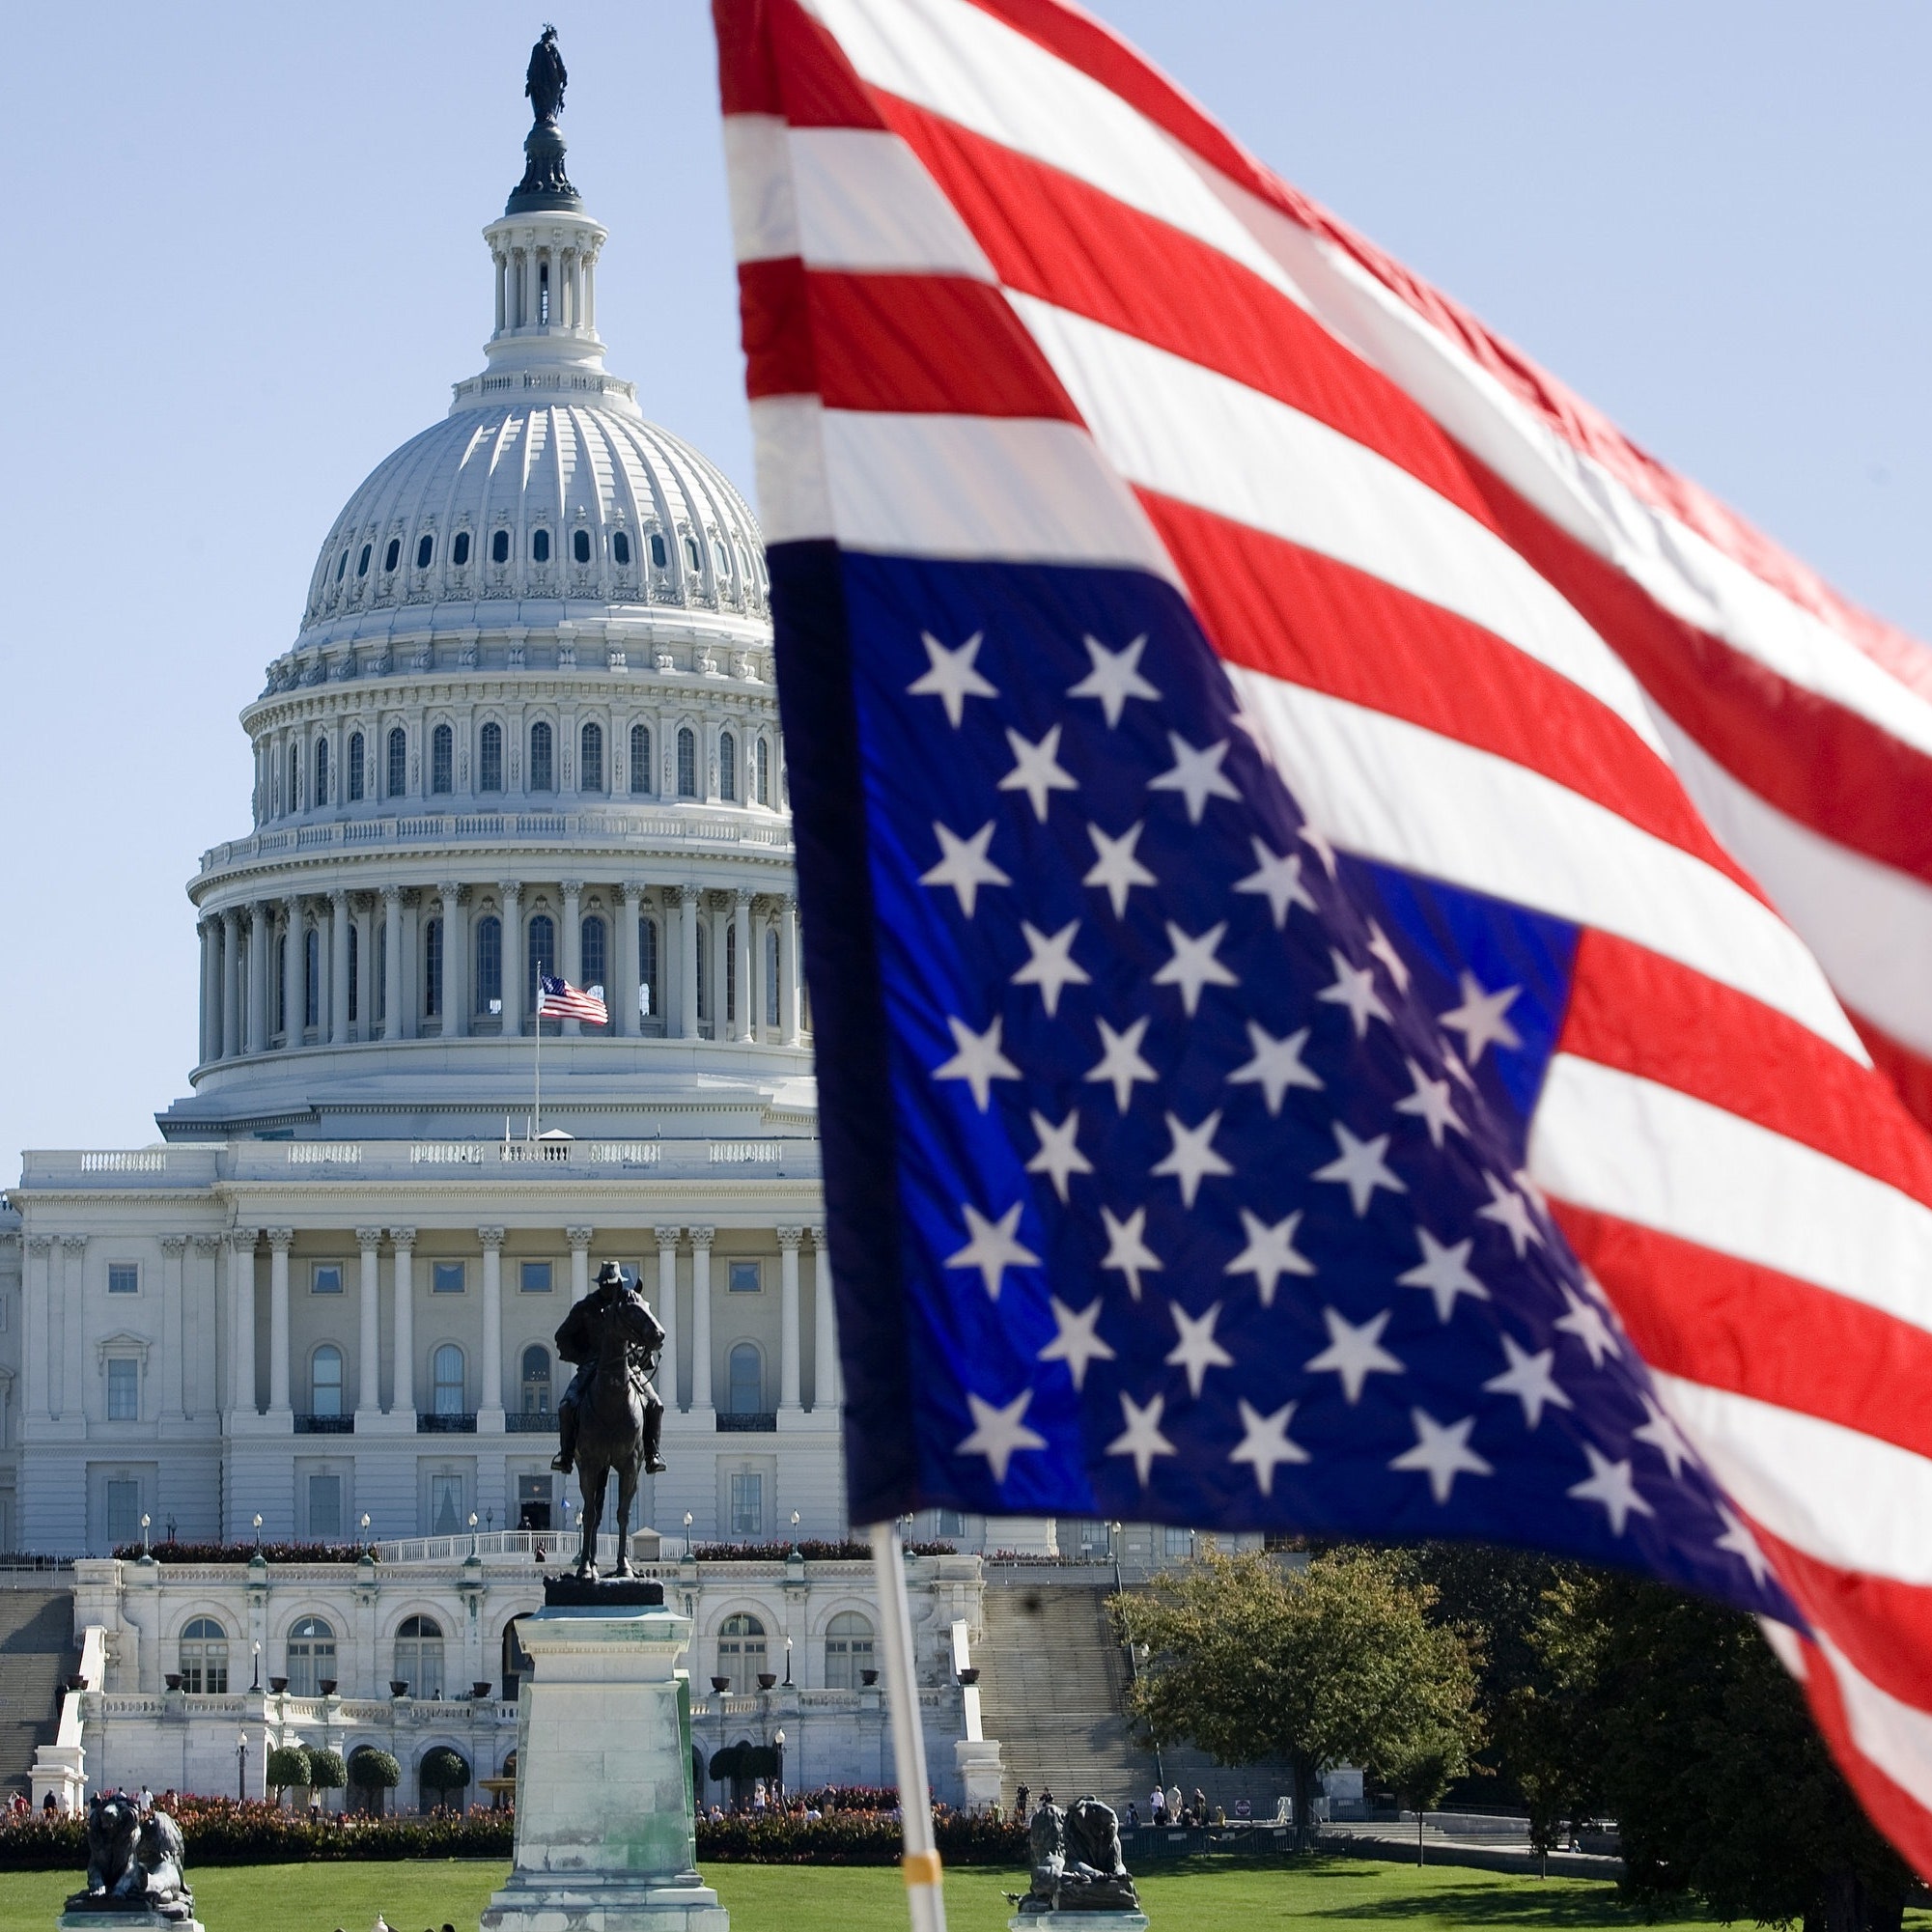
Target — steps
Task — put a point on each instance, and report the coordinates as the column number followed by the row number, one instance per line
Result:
column 37, row 1654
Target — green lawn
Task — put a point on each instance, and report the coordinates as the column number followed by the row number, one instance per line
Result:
column 1334, row 1894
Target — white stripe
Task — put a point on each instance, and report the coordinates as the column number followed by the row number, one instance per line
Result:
column 866, row 203
column 757, row 168
column 1895, row 1735
column 1845, row 1499
column 1622, row 1145
column 1869, row 924
column 1402, row 794
column 1204, row 438
column 794, row 500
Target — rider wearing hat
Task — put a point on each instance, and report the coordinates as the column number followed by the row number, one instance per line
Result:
column 577, row 1342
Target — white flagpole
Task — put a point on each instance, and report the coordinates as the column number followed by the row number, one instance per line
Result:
column 924, row 1899
column 539, row 1054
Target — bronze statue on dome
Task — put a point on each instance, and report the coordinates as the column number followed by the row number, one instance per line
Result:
column 545, row 80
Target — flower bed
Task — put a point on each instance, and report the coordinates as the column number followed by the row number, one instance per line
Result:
column 240, row 1553
column 812, row 1549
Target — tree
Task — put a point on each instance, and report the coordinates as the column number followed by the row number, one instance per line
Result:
column 288, row 1764
column 373, row 1772
column 445, row 1770
column 1332, row 1662
column 326, row 1769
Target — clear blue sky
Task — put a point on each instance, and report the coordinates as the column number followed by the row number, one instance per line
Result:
column 246, row 264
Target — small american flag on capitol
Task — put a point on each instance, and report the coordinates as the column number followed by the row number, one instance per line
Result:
column 1366, row 937
column 559, row 1000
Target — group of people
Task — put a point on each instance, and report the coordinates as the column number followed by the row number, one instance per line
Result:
column 1164, row 1807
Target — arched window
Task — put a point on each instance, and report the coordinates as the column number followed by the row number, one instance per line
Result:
column 446, row 1380
column 580, row 545
column 419, row 1656
column 540, row 546
column 488, row 961
column 848, row 1650
column 771, row 975
column 490, row 759
column 536, row 1380
column 746, row 1379
column 282, row 983
column 311, row 976
column 362, row 562
column 399, row 761
column 442, row 759
column 311, row 1657
column 691, row 556
column 592, row 936
column 426, row 549
column 704, row 964
column 741, row 1650
column 322, row 770
column 718, row 556
column 727, row 766
column 355, row 968
column 357, row 764
column 295, row 792
column 540, row 954
column 687, row 762
column 640, row 757
column 619, row 550
column 764, row 770
column 731, row 975
column 660, row 556
column 459, row 549
column 341, row 565
column 590, row 763
column 326, row 1381
column 433, row 968
column 204, row 1657
column 650, row 1002
column 499, row 547
column 378, row 977
column 543, row 764
column 393, row 555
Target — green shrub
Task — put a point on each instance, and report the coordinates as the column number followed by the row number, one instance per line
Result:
column 375, row 1771
column 326, row 1769
column 288, row 1764
column 445, row 1770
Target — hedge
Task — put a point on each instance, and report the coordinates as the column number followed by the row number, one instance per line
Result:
column 812, row 1548
column 240, row 1553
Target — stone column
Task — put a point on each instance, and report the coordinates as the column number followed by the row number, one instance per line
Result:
column 338, row 967
column 789, row 1003
column 789, row 1239
column 740, row 906
column 717, row 991
column 492, row 1393
column 174, row 1333
column 513, row 955
column 667, row 1314
column 280, row 1240
column 412, row 963
column 242, row 1301
column 622, row 1003
column 202, row 1384
column 68, row 1400
column 688, row 914
column 232, row 1038
column 581, row 1239
column 701, row 1240
column 456, row 961
column 402, row 1378
column 572, row 938
column 292, row 973
column 824, row 1339
column 35, row 1310
column 392, row 963
column 369, row 1340
column 210, row 1008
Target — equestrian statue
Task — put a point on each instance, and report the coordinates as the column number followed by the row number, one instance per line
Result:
column 610, row 1418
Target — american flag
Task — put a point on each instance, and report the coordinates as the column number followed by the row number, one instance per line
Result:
column 1366, row 937
column 559, row 1000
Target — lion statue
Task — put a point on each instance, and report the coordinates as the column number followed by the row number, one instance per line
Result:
column 133, row 1863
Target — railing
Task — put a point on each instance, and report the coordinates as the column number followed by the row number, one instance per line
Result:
column 743, row 1153
column 522, row 1543
column 324, row 1154
column 758, row 1422
column 446, row 1425
column 531, row 1422
column 141, row 1161
column 324, row 1425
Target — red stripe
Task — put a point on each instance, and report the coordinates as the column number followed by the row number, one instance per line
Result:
column 1903, row 1818
column 1884, row 1628
column 1273, row 606
column 775, row 326
column 1908, row 1070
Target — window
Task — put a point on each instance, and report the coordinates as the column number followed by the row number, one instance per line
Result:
column 764, row 770
column 747, row 1374
column 446, row 1377
column 459, row 549
column 771, row 975
column 354, row 967
column 399, row 761
column 619, row 550
column 848, row 1650
column 325, row 1506
column 362, row 562
column 311, row 1657
column 1179, row 1542
column 659, row 557
column 393, row 555
column 595, row 949
column 731, row 976
column 202, row 1658
column 294, row 777
column 281, row 982
column 580, row 545
column 379, row 993
column 719, row 557
column 704, row 964
column 535, row 1280
column 322, row 770
column 744, row 1277
column 648, row 1001
column 691, row 556
column 640, row 757
column 355, row 764
column 123, row 1278
column 433, row 968
column 123, row 1497
column 426, row 549
column 341, row 565
column 590, row 766
column 325, row 1278
column 687, row 763
column 445, row 1505
column 326, row 1381
column 949, row 1522
column 542, row 776
column 442, row 759
column 488, row 962
column 499, row 547
column 419, row 1656
column 446, row 1278
column 747, row 1511
column 727, row 766
column 310, row 977
column 490, row 759
column 537, row 1372
column 540, row 546
column 741, row 1638
column 124, row 1389
column 541, row 956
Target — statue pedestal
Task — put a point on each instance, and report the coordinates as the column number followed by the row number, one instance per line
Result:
column 1086, row 1921
column 139, row 1920
column 605, row 1836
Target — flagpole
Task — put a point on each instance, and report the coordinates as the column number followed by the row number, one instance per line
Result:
column 537, row 1130
column 924, row 1899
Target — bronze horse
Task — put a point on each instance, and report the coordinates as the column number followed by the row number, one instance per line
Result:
column 611, row 1433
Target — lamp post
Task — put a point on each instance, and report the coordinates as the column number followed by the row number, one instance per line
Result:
column 687, row 1533
column 365, row 1526
column 241, row 1767
column 473, row 1532
column 788, row 1670
column 779, row 1741
column 257, row 1529
column 257, row 1685
column 146, row 1518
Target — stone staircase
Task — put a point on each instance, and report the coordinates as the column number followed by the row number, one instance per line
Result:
column 36, row 1655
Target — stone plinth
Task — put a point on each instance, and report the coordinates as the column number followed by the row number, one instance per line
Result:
column 125, row 1921
column 1086, row 1921
column 605, row 1836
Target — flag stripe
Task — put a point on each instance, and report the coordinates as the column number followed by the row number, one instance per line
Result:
column 1883, row 1627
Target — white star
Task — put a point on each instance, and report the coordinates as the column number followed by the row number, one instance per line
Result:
column 1510, row 1212
column 1050, row 967
column 979, row 1062
column 1276, row 1065
column 1355, row 988
column 1115, row 678
column 1431, row 1104
column 1127, row 1252
column 1116, row 868
column 1480, row 1018
column 1279, row 880
column 1384, row 949
column 1193, row 964
column 966, row 867
column 993, row 1249
column 1661, row 1433
column 1265, row 1442
column 1318, row 843
column 1355, row 1353
column 1585, row 1320
column 1196, row 1350
column 1059, row 1153
column 1442, row 1452
column 1191, row 1157
column 1036, row 769
column 1612, row 1485
column 1076, row 1344
column 1197, row 776
column 1271, row 1253
column 951, row 678
column 1743, row 1545
column 1141, row 1439
column 1120, row 1061
column 998, row 1433
column 1359, row 1167
column 1528, row 1377
column 1445, row 1272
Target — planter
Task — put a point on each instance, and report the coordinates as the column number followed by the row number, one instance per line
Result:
column 720, row 1685
column 481, row 1689
column 767, row 1678
column 326, row 1686
column 173, row 1680
column 398, row 1688
column 969, row 1677
column 278, row 1685
column 868, row 1678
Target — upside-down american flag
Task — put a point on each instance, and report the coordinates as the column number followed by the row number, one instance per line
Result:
column 559, row 1000
column 1367, row 938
